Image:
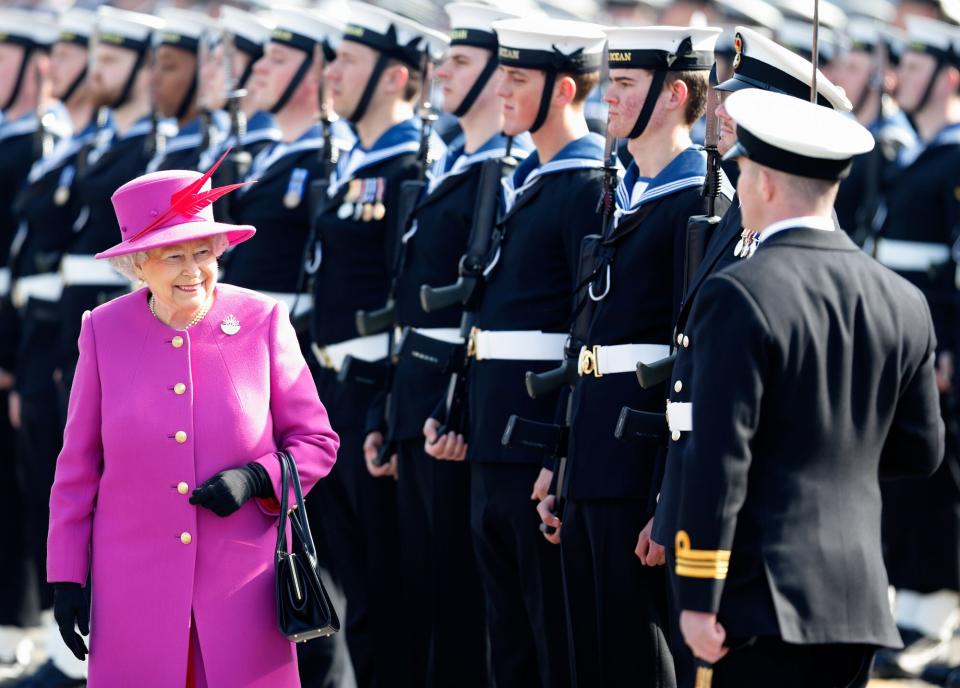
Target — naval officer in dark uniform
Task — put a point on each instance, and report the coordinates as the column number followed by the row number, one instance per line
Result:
column 548, row 68
column 917, row 239
column 448, row 643
column 374, row 80
column 119, row 80
column 824, row 382
column 653, row 101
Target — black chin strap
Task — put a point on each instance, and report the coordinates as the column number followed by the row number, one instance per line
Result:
column 478, row 86
column 294, row 83
column 247, row 72
column 381, row 64
column 928, row 91
column 74, row 85
column 187, row 100
column 643, row 119
column 131, row 78
column 21, row 73
column 549, row 80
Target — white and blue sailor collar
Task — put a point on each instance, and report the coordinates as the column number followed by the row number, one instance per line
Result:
column 62, row 151
column 311, row 139
column 400, row 139
column 456, row 160
column 27, row 124
column 583, row 153
column 948, row 136
column 686, row 170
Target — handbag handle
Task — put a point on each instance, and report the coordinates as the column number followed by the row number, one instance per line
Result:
column 289, row 474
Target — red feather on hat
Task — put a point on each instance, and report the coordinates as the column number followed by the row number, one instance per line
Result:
column 189, row 200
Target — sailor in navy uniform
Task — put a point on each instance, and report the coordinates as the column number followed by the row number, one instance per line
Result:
column 45, row 216
column 616, row 607
column 175, row 83
column 25, row 33
column 433, row 497
column 824, row 383
column 549, row 67
column 119, row 80
column 917, row 238
column 864, row 72
column 276, row 202
column 374, row 81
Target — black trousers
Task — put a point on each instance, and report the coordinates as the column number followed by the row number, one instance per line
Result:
column 767, row 662
column 521, row 578
column 446, row 636
column 39, row 440
column 616, row 608
column 358, row 516
column 19, row 603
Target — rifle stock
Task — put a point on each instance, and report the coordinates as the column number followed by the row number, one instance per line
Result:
column 658, row 372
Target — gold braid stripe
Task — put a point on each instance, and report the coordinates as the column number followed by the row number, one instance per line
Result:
column 700, row 563
column 704, row 677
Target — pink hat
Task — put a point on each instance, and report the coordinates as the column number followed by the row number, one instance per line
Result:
column 171, row 207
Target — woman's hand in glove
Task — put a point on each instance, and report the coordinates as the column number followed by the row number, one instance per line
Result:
column 227, row 491
column 71, row 611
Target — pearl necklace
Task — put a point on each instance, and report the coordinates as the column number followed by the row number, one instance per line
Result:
column 201, row 314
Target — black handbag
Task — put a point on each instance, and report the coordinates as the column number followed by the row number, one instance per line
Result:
column 304, row 610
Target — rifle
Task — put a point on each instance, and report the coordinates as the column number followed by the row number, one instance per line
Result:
column 239, row 159
column 382, row 319
column 867, row 211
column 699, row 230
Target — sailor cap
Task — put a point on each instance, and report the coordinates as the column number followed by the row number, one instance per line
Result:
column 27, row 28
column 183, row 28
column 555, row 45
column 762, row 63
column 76, row 25
column 936, row 38
column 795, row 136
column 132, row 30
column 393, row 35
column 303, row 28
column 671, row 48
column 250, row 32
column 472, row 23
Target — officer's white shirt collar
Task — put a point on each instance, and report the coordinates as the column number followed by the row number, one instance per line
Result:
column 823, row 222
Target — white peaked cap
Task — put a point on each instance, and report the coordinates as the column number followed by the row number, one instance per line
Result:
column 369, row 24
column 926, row 32
column 795, row 136
column 76, row 22
column 134, row 26
column 530, row 42
column 246, row 25
column 475, row 16
column 793, row 74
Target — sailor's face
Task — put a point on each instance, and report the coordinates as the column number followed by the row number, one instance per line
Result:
column 728, row 128
column 520, row 91
column 212, row 95
column 272, row 73
column 10, row 57
column 170, row 78
column 348, row 74
column 914, row 74
column 67, row 61
column 625, row 97
column 458, row 73
column 750, row 193
column 109, row 72
column 852, row 73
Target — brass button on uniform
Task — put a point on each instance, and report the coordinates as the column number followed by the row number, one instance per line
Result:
column 182, row 488
column 186, row 538
column 675, row 435
column 680, row 338
column 179, row 388
column 676, row 388
column 177, row 342
column 686, row 341
column 180, row 437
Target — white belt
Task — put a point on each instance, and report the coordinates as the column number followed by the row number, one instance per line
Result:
column 46, row 286
column 4, row 281
column 373, row 348
column 516, row 345
column 911, row 256
column 443, row 334
column 303, row 305
column 620, row 358
column 87, row 270
column 680, row 416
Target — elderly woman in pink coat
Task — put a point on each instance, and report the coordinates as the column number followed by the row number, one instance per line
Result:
column 165, row 490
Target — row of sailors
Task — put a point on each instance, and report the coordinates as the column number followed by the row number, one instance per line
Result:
column 343, row 235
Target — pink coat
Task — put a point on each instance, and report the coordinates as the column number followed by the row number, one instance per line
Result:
column 153, row 413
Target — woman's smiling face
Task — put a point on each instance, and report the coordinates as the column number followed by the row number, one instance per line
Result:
column 181, row 277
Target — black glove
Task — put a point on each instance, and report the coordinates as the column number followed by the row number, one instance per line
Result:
column 227, row 491
column 70, row 608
